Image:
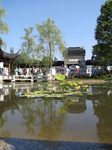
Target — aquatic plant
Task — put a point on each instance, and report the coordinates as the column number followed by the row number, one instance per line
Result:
column 65, row 89
column 60, row 77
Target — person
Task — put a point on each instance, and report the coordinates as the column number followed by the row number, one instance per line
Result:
column 70, row 71
column 40, row 75
column 16, row 71
column 78, row 71
column 25, row 71
column 19, row 71
column 62, row 69
column 40, row 70
column 19, row 93
column 33, row 70
column 108, row 68
column 67, row 72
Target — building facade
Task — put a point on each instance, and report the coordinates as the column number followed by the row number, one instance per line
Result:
column 74, row 55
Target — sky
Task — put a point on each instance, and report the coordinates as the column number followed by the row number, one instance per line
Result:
column 77, row 19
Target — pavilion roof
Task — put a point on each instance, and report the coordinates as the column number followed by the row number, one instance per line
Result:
column 6, row 57
column 76, row 50
column 75, row 53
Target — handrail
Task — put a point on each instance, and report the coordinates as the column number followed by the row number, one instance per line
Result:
column 22, row 77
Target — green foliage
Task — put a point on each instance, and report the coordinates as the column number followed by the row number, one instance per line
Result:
column 50, row 85
column 109, row 0
column 75, row 84
column 37, row 87
column 70, row 83
column 78, row 93
column 50, row 39
column 64, row 91
column 103, row 34
column 63, row 83
column 60, row 77
column 3, row 26
column 64, row 88
column 85, row 86
column 45, row 61
column 28, row 46
column 80, row 83
column 109, row 78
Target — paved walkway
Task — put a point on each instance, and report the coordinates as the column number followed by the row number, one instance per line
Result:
column 22, row 144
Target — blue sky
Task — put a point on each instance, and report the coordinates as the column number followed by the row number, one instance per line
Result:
column 77, row 20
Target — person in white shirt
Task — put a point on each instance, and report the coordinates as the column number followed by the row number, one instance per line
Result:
column 108, row 68
column 67, row 72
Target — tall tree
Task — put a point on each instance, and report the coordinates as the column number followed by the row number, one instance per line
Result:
column 3, row 26
column 45, row 61
column 28, row 46
column 103, row 34
column 50, row 39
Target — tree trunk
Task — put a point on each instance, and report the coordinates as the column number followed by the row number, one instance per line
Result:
column 50, row 56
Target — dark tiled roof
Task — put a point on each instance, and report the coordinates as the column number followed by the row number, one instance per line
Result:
column 92, row 62
column 75, row 51
column 57, row 63
column 5, row 57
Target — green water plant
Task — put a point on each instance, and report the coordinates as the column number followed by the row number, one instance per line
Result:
column 60, row 77
column 62, row 90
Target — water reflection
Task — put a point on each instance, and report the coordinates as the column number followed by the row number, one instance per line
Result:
column 109, row 91
column 84, row 118
column 103, row 110
column 102, row 105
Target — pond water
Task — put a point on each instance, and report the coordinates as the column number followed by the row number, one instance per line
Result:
column 86, row 118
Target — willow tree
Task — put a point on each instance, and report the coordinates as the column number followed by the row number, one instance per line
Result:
column 50, row 39
column 28, row 46
column 3, row 26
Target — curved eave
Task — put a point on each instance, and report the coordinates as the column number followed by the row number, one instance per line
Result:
column 7, row 56
column 7, row 106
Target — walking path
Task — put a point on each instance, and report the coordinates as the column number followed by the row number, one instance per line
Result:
column 22, row 144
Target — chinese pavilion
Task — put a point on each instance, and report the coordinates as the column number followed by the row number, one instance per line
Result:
column 7, row 57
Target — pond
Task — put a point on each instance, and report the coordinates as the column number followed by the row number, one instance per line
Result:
column 83, row 118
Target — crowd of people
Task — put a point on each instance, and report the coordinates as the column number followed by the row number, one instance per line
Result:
column 70, row 71
column 20, row 71
column 79, row 71
column 23, row 71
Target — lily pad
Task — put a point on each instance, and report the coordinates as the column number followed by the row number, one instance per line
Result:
column 60, row 77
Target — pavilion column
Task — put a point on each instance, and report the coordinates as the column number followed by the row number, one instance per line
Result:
column 9, row 68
